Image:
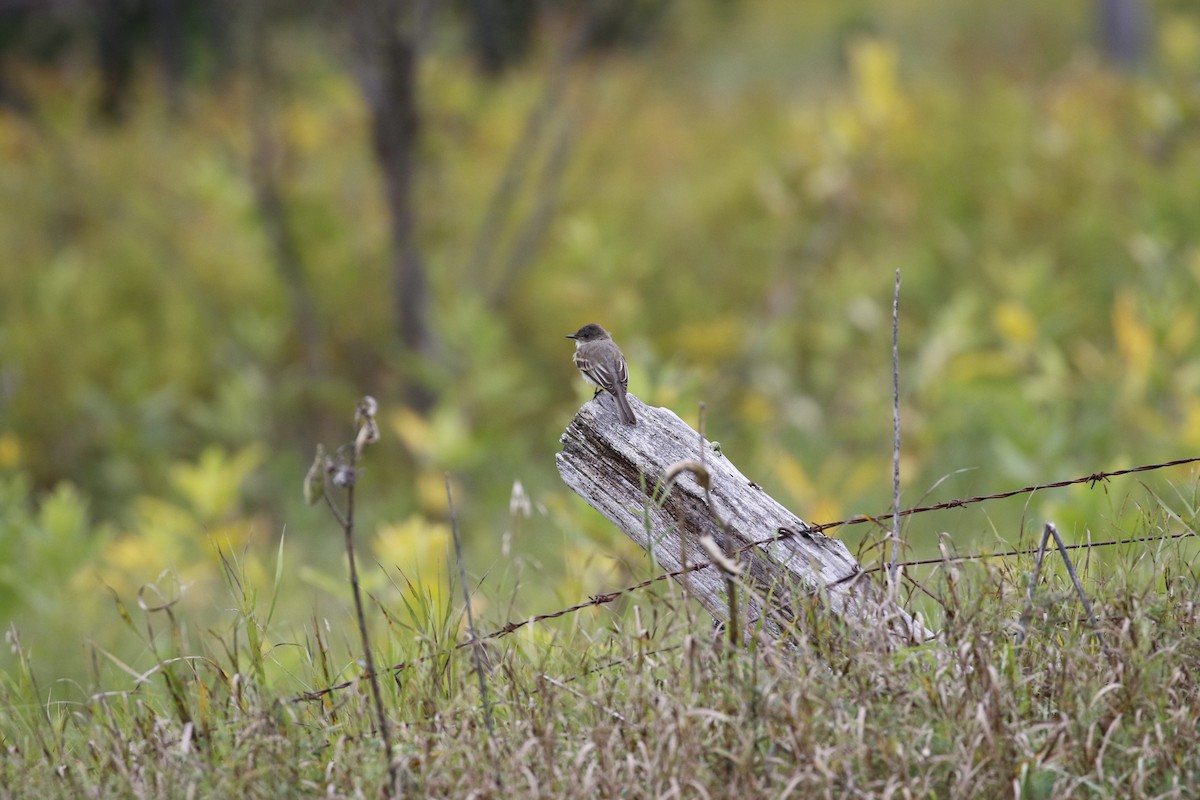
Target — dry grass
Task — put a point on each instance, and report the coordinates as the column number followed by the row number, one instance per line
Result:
column 650, row 705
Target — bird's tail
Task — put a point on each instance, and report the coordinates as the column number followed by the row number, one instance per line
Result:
column 626, row 413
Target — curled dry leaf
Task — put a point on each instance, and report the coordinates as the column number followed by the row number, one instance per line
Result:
column 314, row 481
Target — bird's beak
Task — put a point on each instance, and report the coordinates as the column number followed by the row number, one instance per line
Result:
column 570, row 336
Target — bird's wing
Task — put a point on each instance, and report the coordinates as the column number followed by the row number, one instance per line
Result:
column 599, row 372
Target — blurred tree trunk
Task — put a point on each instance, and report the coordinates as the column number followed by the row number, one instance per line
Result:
column 1124, row 26
column 501, row 32
column 386, row 50
column 267, row 163
column 170, row 26
column 114, row 50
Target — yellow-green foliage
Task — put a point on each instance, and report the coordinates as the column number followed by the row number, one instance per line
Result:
column 735, row 202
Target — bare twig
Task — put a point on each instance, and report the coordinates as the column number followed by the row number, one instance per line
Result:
column 386, row 59
column 346, row 476
column 893, row 583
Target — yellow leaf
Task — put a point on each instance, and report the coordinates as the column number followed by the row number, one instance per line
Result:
column 845, row 136
column 873, row 64
column 756, row 408
column 791, row 475
column 231, row 537
column 419, row 547
column 982, row 364
column 213, row 484
column 1181, row 333
column 1180, row 41
column 307, row 129
column 1015, row 324
column 712, row 341
column 823, row 509
column 202, row 704
column 10, row 450
column 1190, row 435
column 412, row 429
column 431, row 492
column 1135, row 341
column 586, row 572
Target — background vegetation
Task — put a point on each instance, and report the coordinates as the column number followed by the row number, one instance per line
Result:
column 729, row 187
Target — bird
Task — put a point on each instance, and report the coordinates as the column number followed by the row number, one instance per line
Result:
column 603, row 366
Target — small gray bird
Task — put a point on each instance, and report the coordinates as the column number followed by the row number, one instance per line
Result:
column 603, row 366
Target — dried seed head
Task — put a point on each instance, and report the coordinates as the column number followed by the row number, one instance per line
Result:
column 344, row 475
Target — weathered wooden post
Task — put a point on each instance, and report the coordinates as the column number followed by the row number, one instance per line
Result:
column 619, row 469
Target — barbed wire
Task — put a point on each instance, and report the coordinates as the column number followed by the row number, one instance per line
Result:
column 1093, row 479
column 1032, row 551
column 783, row 534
